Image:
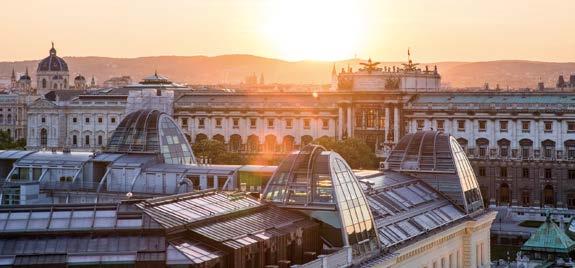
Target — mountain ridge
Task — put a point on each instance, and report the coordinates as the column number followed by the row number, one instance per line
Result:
column 233, row 68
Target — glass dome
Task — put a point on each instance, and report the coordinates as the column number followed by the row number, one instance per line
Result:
column 438, row 159
column 321, row 184
column 154, row 132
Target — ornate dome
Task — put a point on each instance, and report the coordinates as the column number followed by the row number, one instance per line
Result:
column 151, row 132
column 80, row 78
column 52, row 63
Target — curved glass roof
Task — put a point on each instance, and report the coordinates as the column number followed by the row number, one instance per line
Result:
column 438, row 159
column 321, row 183
column 151, row 131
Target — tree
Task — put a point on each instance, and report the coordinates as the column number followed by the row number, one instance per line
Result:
column 215, row 153
column 7, row 143
column 356, row 152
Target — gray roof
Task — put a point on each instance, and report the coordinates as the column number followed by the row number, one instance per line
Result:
column 495, row 98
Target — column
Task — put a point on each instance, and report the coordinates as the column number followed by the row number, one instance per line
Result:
column 349, row 131
column 340, row 123
column 386, row 123
column 396, row 124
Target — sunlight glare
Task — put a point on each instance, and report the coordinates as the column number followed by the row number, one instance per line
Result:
column 316, row 29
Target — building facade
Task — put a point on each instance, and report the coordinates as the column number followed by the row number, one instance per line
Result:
column 522, row 145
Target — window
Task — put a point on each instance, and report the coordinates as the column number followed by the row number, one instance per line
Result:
column 482, row 171
column 570, row 126
column 218, row 123
column 100, row 120
column 87, row 140
column 100, row 139
column 43, row 120
column 306, row 124
column 525, row 172
column 87, row 120
column 503, row 172
column 74, row 120
column 113, row 120
column 236, row 122
column 440, row 124
column 184, row 122
column 253, row 123
column 548, row 173
column 325, row 123
column 503, row 126
column 289, row 123
column 525, row 126
column 420, row 124
column 571, row 173
column 548, row 126
column 270, row 122
column 504, row 151
column 482, row 125
column 461, row 125
column 74, row 140
column 201, row 123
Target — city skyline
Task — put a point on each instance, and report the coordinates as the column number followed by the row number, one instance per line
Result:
column 444, row 30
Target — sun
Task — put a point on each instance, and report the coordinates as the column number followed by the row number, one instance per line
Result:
column 313, row 29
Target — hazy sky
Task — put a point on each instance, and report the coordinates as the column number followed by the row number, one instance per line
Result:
column 436, row 30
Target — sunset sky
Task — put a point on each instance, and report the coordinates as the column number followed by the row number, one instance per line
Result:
column 439, row 30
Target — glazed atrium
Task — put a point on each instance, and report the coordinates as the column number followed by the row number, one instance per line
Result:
column 146, row 202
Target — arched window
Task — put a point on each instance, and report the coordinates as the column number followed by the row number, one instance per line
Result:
column 253, row 143
column 526, row 147
column 463, row 143
column 87, row 140
column 482, row 145
column 503, row 147
column 305, row 140
column 570, row 147
column 200, row 137
column 220, row 138
column 270, row 143
column 548, row 148
column 43, row 137
column 504, row 194
column 1, row 119
column 74, row 140
column 288, row 143
column 43, row 83
column 235, row 143
column 100, row 140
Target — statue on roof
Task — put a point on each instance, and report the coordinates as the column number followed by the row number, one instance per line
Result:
column 409, row 66
column 370, row 66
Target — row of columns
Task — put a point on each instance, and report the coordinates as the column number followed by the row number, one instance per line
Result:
column 349, row 119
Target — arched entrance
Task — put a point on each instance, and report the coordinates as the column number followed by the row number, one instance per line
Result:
column 43, row 137
column 548, row 195
column 504, row 194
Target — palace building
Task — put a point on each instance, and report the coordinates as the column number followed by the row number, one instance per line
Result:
column 145, row 201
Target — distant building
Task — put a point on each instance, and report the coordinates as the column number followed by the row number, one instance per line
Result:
column 117, row 82
column 52, row 73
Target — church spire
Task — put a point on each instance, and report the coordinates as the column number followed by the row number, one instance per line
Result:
column 333, row 71
column 13, row 74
